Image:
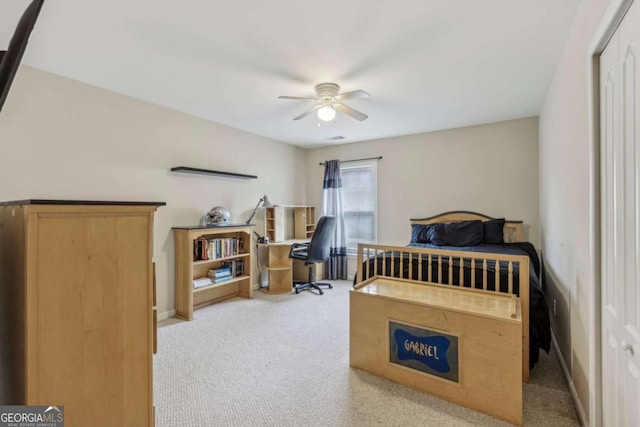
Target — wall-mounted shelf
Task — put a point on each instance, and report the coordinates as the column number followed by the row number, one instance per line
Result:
column 185, row 169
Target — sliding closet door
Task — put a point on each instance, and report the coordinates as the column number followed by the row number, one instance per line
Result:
column 620, row 213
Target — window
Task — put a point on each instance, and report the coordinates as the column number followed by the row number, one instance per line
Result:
column 359, row 189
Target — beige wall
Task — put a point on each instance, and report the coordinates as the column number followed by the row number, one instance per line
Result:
column 565, row 200
column 69, row 140
column 492, row 169
column 62, row 139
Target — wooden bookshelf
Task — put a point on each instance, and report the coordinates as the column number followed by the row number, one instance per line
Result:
column 188, row 298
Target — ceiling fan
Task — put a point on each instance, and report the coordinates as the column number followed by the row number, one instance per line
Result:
column 328, row 100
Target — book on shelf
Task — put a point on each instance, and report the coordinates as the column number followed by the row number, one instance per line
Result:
column 200, row 249
column 223, row 247
column 221, row 279
column 236, row 267
column 210, row 249
column 202, row 282
column 219, row 272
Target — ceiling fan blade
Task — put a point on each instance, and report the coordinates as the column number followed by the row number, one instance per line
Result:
column 296, row 97
column 356, row 94
column 309, row 111
column 350, row 111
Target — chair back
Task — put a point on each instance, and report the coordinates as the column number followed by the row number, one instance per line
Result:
column 320, row 245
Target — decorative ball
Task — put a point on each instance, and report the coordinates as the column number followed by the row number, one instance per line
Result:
column 217, row 216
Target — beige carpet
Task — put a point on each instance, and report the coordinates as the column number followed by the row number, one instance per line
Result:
column 283, row 360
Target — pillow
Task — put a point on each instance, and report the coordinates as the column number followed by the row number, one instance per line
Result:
column 461, row 233
column 494, row 231
column 420, row 233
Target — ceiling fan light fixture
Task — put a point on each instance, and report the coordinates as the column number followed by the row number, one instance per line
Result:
column 328, row 101
column 326, row 113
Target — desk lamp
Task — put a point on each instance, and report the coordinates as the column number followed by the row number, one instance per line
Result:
column 265, row 204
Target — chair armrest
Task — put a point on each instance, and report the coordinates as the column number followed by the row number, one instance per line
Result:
column 297, row 247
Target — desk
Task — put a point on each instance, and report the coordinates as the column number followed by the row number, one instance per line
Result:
column 282, row 269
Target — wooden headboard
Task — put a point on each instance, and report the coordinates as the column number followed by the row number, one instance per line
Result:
column 512, row 228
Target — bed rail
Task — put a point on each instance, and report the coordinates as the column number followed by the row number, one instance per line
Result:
column 407, row 262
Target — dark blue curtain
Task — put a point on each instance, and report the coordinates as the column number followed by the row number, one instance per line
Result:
column 332, row 204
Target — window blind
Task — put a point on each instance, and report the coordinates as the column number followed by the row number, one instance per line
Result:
column 359, row 182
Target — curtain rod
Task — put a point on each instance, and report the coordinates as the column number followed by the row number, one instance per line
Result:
column 354, row 160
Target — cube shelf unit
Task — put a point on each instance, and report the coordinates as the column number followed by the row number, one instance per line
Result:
column 279, row 267
column 274, row 223
column 304, row 222
column 187, row 299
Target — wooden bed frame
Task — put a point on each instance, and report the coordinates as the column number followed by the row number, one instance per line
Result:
column 512, row 233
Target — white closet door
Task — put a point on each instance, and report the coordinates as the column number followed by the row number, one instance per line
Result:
column 620, row 215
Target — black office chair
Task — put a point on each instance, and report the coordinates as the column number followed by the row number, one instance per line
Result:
column 317, row 250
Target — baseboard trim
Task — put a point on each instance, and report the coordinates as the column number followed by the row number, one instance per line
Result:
column 582, row 416
column 166, row 315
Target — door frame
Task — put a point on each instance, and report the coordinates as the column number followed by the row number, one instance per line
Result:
column 605, row 29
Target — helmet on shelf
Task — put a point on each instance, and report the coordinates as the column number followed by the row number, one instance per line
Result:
column 217, row 216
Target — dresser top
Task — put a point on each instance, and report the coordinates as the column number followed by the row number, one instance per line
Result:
column 79, row 202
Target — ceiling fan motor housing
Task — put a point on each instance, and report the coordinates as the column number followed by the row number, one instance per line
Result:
column 327, row 90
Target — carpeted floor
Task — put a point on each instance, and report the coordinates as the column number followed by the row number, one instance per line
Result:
column 283, row 360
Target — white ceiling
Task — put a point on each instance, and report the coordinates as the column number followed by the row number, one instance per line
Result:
column 427, row 64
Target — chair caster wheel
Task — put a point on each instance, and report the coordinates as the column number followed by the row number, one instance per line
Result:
column 297, row 291
column 321, row 293
column 330, row 287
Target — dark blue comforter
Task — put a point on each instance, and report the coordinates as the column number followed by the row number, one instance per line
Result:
column 539, row 325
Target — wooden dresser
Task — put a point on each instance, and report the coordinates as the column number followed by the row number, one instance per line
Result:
column 76, row 309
